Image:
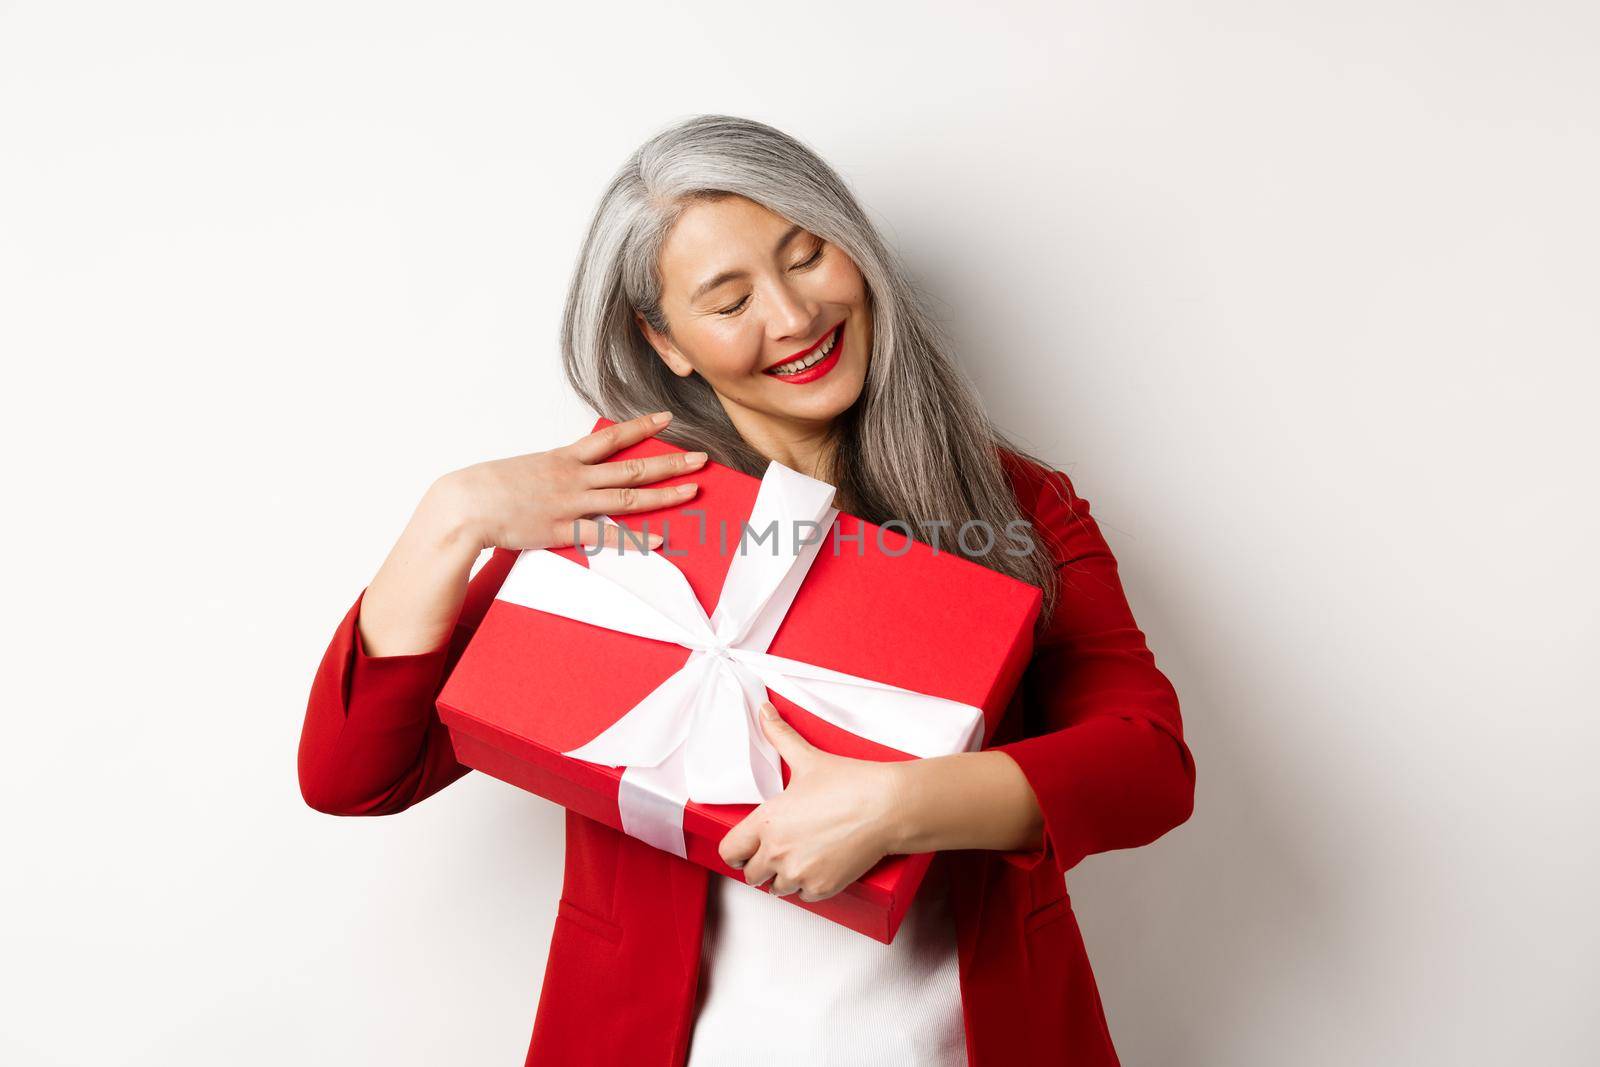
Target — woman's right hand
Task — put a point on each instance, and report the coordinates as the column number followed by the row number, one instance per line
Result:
column 546, row 499
column 537, row 500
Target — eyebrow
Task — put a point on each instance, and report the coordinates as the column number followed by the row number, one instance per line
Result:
column 730, row 275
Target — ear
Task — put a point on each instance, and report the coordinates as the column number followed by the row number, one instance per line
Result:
column 664, row 348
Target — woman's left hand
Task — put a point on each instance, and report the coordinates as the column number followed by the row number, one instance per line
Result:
column 835, row 819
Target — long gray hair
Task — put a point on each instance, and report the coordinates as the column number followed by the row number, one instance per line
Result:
column 916, row 446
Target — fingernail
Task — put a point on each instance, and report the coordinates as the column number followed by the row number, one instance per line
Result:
column 695, row 457
column 688, row 488
column 768, row 711
column 655, row 540
column 661, row 418
column 737, row 866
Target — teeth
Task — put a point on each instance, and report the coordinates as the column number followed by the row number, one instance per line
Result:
column 812, row 359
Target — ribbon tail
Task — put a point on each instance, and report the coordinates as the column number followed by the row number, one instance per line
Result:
column 765, row 764
column 651, row 801
column 729, row 761
column 653, row 729
column 726, row 755
column 916, row 723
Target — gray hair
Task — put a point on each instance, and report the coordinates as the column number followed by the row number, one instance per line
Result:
column 916, row 446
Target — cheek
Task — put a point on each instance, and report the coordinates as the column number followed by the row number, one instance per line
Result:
column 844, row 282
column 731, row 352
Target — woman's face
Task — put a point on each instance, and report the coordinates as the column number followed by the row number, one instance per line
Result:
column 745, row 293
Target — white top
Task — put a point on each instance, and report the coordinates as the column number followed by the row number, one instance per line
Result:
column 782, row 987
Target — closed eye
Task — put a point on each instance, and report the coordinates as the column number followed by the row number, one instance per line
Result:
column 805, row 265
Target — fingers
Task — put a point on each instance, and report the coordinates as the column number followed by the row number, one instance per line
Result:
column 640, row 470
column 740, row 844
column 794, row 749
column 781, row 879
column 593, row 447
column 630, row 498
column 812, row 897
column 782, row 887
column 760, row 869
column 743, row 849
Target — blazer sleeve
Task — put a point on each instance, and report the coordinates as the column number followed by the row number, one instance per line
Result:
column 372, row 742
column 1102, row 742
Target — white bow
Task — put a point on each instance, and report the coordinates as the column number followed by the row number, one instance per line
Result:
column 697, row 736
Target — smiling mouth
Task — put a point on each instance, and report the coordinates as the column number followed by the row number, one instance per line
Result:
column 811, row 357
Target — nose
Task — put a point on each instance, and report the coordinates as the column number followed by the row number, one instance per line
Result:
column 792, row 317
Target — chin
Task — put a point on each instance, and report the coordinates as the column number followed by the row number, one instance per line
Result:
column 821, row 400
column 822, row 405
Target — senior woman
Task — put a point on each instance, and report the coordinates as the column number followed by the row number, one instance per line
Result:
column 733, row 298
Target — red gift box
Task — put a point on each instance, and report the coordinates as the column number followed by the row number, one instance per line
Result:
column 532, row 685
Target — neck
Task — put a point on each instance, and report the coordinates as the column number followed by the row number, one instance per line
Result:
column 798, row 444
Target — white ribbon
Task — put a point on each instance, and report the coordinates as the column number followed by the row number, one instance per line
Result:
column 697, row 735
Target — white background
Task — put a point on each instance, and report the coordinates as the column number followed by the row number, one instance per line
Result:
column 1301, row 295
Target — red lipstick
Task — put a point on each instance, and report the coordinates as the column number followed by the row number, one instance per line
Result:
column 818, row 369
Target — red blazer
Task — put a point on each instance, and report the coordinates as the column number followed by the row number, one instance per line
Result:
column 1094, row 727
